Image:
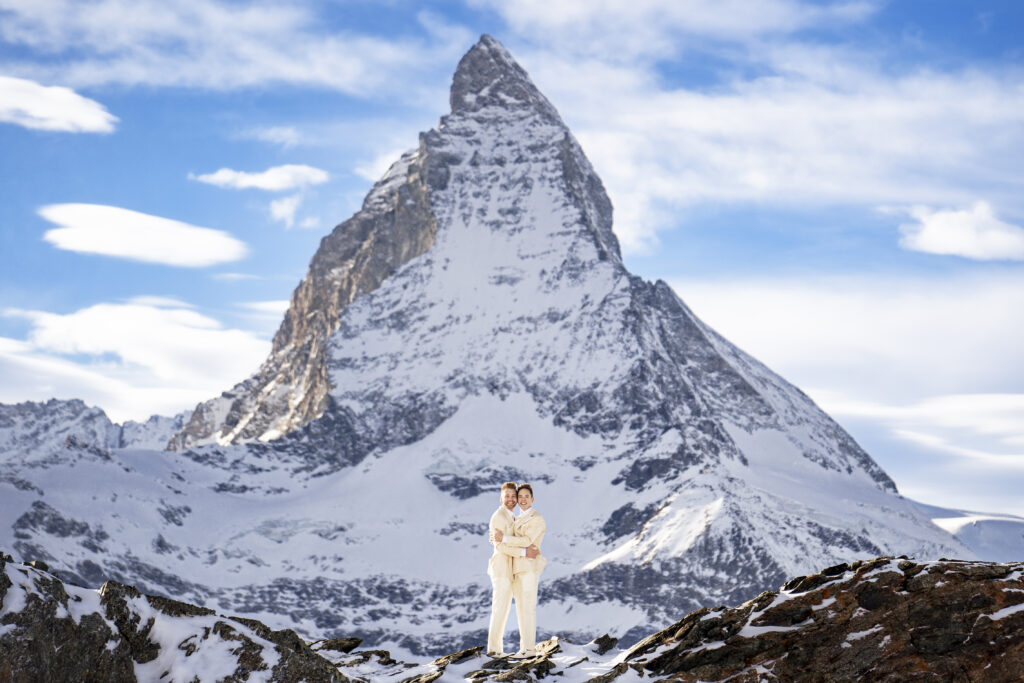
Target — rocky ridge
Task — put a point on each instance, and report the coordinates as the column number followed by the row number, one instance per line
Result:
column 291, row 388
column 54, row 631
column 878, row 620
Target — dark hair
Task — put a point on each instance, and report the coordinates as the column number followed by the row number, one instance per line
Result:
column 511, row 485
column 527, row 487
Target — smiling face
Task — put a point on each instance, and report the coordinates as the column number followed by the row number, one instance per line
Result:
column 525, row 499
column 508, row 498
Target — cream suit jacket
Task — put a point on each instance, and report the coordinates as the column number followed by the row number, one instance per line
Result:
column 529, row 529
column 500, row 564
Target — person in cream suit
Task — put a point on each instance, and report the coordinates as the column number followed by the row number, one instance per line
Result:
column 527, row 530
column 500, row 568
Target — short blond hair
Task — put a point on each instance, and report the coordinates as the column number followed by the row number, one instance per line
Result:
column 510, row 485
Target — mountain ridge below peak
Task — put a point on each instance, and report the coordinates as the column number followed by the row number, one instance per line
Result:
column 880, row 618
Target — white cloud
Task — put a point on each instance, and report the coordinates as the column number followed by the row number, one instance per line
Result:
column 885, row 340
column 985, row 427
column 284, row 209
column 923, row 371
column 626, row 29
column 236, row 277
column 122, row 233
column 274, row 179
column 159, row 302
column 973, row 233
column 374, row 169
column 310, row 223
column 209, row 44
column 139, row 359
column 778, row 121
column 285, row 136
column 932, row 361
column 29, row 104
column 276, row 308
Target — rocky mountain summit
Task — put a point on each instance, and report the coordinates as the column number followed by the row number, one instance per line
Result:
column 880, row 619
column 473, row 323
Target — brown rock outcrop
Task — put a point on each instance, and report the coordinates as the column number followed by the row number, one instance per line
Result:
column 886, row 619
column 53, row 632
column 290, row 389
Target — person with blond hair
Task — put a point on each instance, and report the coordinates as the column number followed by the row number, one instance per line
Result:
column 527, row 530
column 500, row 567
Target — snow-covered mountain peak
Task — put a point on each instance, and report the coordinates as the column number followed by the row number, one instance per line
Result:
column 501, row 120
column 488, row 76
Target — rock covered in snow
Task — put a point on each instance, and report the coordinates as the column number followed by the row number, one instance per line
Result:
column 31, row 433
column 54, row 631
column 881, row 619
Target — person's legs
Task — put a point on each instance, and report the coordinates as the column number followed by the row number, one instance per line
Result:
column 526, row 609
column 501, row 602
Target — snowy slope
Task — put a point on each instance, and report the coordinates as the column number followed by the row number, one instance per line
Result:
column 507, row 341
column 993, row 537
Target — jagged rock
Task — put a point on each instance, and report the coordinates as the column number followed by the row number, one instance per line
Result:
column 57, row 632
column 874, row 620
column 291, row 388
column 604, row 643
column 343, row 645
column 881, row 619
column 885, row 619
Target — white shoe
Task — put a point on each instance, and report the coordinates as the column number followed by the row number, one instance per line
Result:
column 524, row 654
column 497, row 655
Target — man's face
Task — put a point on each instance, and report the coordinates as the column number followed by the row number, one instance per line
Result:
column 508, row 498
column 525, row 499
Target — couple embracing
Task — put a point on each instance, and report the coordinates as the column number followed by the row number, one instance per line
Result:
column 515, row 568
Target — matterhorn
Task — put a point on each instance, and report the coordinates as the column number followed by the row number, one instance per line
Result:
column 473, row 323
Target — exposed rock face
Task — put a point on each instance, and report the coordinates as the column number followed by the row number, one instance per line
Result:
column 290, row 389
column 884, row 619
column 36, row 430
column 50, row 631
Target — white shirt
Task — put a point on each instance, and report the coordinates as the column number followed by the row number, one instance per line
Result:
column 512, row 518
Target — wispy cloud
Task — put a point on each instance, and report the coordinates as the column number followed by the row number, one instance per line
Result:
column 775, row 118
column 122, row 233
column 284, row 209
column 949, row 422
column 236, row 277
column 274, row 179
column 208, row 44
column 276, row 308
column 973, row 233
column 374, row 169
column 285, row 136
column 627, row 29
column 159, row 302
column 133, row 359
column 873, row 336
column 798, row 137
column 923, row 370
column 29, row 104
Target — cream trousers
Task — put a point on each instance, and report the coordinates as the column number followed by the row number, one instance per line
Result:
column 501, row 601
column 524, row 589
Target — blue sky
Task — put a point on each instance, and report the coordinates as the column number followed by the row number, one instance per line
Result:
column 835, row 186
